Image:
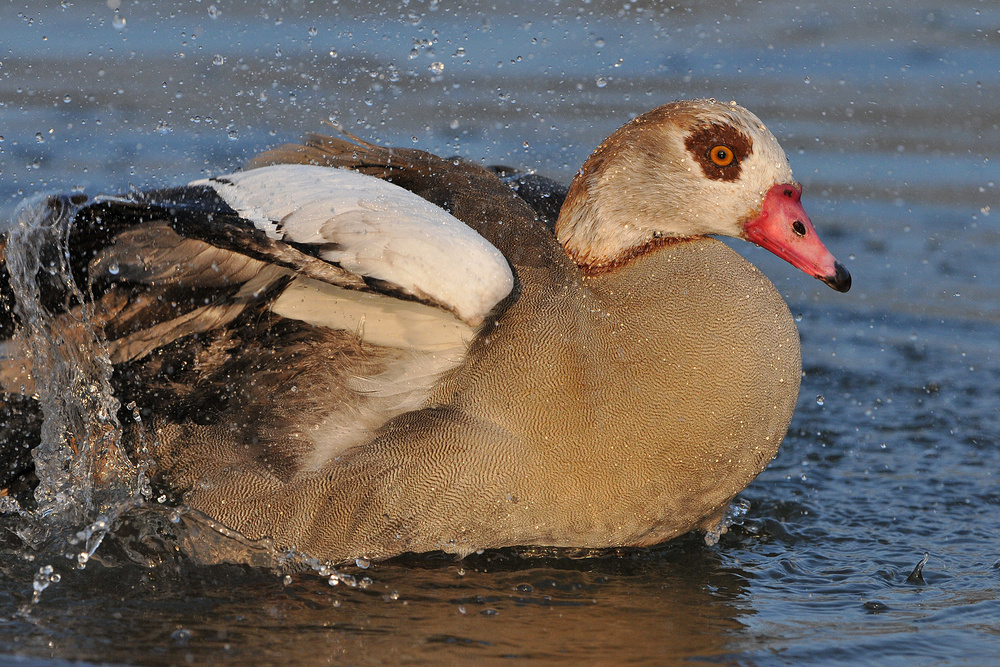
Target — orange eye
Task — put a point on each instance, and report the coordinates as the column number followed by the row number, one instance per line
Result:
column 722, row 155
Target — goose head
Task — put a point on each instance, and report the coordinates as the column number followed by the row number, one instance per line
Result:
column 690, row 169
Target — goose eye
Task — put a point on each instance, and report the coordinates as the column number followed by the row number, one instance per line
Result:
column 722, row 156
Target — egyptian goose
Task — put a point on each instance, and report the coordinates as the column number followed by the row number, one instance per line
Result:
column 360, row 351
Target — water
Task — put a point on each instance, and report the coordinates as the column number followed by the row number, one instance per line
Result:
column 889, row 117
column 84, row 478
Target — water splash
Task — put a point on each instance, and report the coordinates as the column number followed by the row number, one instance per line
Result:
column 85, row 478
column 89, row 491
column 734, row 515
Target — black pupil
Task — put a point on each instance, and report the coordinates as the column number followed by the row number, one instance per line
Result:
column 722, row 154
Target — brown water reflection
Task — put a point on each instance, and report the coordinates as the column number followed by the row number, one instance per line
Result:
column 676, row 602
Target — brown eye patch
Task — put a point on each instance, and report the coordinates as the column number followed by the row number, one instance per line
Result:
column 708, row 143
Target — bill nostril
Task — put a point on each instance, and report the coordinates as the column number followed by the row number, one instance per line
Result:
column 799, row 228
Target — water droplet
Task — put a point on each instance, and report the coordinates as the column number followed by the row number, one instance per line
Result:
column 820, row 400
column 213, row 12
column 313, row 31
column 363, row 563
column 46, row 575
column 118, row 22
column 806, row 81
column 601, row 82
column 67, row 99
column 233, row 135
column 277, row 52
column 181, row 636
column 436, row 67
column 333, row 53
column 219, row 60
column 798, row 317
column 114, row 269
column 39, row 137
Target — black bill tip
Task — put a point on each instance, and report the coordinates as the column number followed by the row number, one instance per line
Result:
column 841, row 278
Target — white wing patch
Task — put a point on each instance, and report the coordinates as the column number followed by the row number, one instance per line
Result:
column 374, row 229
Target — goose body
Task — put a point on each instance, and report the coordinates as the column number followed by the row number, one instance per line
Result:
column 362, row 352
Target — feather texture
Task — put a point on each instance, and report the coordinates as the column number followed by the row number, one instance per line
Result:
column 362, row 351
column 373, row 229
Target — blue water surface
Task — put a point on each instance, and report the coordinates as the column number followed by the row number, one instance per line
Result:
column 888, row 113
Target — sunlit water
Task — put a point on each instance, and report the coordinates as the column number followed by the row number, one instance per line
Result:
column 889, row 115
